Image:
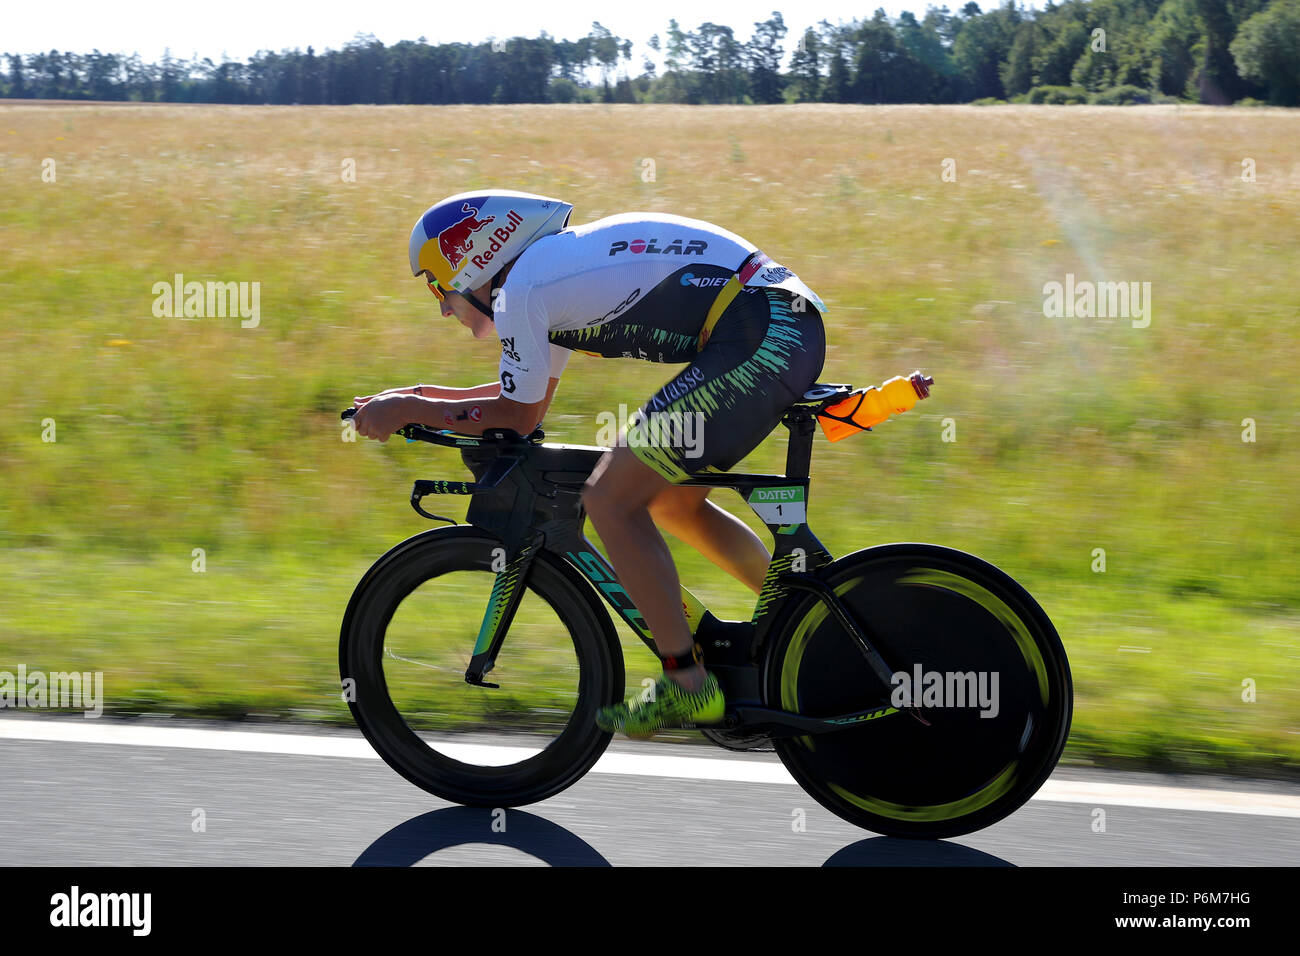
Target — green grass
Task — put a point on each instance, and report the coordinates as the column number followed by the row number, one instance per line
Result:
column 1071, row 434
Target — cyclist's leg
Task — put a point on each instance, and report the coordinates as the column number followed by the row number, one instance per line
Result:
column 617, row 499
column 688, row 515
column 760, row 359
column 762, row 356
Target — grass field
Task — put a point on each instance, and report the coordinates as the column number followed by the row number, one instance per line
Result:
column 1071, row 434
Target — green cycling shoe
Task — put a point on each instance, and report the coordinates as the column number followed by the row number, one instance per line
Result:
column 665, row 705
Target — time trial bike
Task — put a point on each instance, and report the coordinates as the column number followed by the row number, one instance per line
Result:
column 913, row 690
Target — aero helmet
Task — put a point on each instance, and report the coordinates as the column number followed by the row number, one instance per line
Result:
column 468, row 238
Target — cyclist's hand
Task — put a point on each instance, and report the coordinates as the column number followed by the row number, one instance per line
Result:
column 381, row 415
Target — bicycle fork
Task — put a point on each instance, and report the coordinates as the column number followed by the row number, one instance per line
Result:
column 507, row 591
column 511, row 582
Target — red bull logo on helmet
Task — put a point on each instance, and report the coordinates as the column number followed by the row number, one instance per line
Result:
column 456, row 241
column 500, row 235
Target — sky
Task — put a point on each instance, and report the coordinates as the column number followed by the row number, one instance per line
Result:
column 239, row 28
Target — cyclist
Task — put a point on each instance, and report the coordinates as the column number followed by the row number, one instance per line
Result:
column 639, row 285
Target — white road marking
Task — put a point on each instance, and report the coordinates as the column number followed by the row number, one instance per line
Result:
column 642, row 765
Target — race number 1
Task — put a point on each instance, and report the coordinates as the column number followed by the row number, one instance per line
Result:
column 779, row 505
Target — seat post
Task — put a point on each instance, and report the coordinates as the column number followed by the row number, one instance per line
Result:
column 798, row 453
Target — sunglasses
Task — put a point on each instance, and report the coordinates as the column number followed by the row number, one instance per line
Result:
column 438, row 292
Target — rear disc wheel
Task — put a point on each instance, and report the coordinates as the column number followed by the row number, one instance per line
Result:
column 991, row 682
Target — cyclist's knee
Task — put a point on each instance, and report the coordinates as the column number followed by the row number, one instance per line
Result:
column 597, row 498
column 676, row 505
column 618, row 488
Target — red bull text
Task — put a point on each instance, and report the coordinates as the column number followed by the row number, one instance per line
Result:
column 499, row 236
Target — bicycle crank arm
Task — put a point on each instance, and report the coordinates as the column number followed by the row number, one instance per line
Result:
column 781, row 723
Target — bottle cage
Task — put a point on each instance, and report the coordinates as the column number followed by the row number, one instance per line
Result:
column 837, row 420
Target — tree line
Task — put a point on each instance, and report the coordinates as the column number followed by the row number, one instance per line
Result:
column 1100, row 51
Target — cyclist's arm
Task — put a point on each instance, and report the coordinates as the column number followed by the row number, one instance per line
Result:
column 529, row 372
column 473, row 415
column 486, row 390
column 546, row 402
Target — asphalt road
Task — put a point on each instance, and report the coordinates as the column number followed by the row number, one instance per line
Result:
column 74, row 802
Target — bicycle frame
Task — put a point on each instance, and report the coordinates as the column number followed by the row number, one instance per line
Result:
column 539, row 506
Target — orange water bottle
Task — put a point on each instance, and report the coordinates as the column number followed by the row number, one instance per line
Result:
column 871, row 406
